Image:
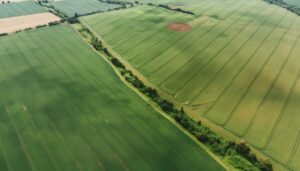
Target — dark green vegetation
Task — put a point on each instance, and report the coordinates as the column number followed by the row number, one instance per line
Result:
column 81, row 7
column 19, row 8
column 238, row 66
column 291, row 5
column 64, row 108
column 239, row 155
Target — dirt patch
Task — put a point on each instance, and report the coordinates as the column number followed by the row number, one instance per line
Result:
column 13, row 24
column 181, row 27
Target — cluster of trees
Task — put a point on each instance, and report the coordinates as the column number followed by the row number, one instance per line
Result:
column 289, row 7
column 239, row 154
column 173, row 8
column 3, row 2
column 124, row 4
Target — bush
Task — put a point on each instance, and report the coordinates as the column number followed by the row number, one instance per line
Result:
column 53, row 23
column 117, row 63
column 3, row 34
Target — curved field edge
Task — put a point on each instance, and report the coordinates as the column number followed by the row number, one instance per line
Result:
column 177, row 104
column 154, row 105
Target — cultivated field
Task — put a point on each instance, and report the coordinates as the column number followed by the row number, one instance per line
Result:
column 237, row 66
column 64, row 108
column 13, row 24
column 19, row 8
column 70, row 7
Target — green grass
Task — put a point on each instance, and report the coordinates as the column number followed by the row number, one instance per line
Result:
column 70, row 7
column 64, row 108
column 19, row 8
column 237, row 67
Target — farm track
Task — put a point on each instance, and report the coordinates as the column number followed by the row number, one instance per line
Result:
column 66, row 76
column 124, row 118
column 29, row 160
column 296, row 146
column 165, row 143
column 144, row 39
column 203, row 49
column 270, row 88
column 233, row 79
column 21, row 141
column 187, row 45
column 233, row 55
column 179, row 18
column 119, row 26
column 258, row 73
column 200, row 91
column 281, row 112
column 164, row 38
column 7, row 161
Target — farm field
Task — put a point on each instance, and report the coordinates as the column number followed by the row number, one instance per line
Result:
column 13, row 24
column 70, row 7
column 64, row 108
column 237, row 65
column 293, row 2
column 19, row 8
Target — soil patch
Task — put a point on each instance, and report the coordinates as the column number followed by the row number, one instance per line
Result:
column 181, row 27
column 12, row 24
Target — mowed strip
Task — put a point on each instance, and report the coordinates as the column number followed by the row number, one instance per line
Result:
column 63, row 107
column 13, row 24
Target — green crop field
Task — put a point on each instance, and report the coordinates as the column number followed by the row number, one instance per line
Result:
column 293, row 2
column 238, row 66
column 70, row 7
column 19, row 8
column 64, row 108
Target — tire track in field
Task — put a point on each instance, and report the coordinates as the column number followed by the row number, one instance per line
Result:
column 13, row 124
column 181, row 16
column 8, row 163
column 191, row 42
column 128, row 30
column 234, row 54
column 136, row 114
column 180, row 38
column 134, row 35
column 271, row 87
column 21, row 141
column 253, row 54
column 160, row 40
column 120, row 25
column 115, row 155
column 41, row 140
column 2, row 147
column 61, row 139
column 131, row 109
column 203, row 49
column 258, row 73
column 25, row 109
column 62, row 71
column 281, row 113
column 295, row 148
